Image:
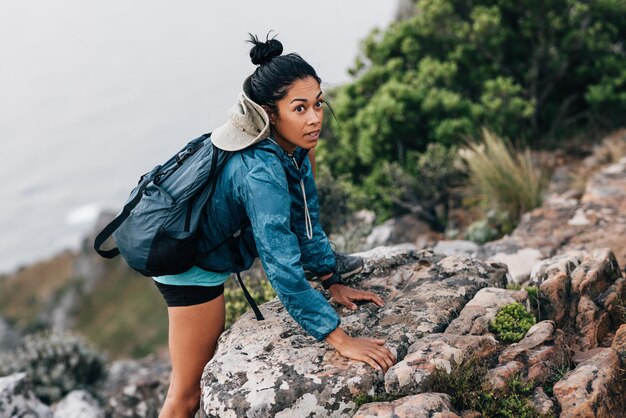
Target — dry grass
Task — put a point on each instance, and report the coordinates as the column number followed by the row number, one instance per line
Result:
column 505, row 178
column 23, row 293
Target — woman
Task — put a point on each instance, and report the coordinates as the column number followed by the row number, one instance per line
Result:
column 267, row 186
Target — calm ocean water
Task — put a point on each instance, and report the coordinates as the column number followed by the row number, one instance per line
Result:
column 93, row 94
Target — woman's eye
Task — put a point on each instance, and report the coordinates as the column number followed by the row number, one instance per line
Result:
column 299, row 109
column 319, row 103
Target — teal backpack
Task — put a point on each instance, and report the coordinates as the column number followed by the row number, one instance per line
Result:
column 157, row 230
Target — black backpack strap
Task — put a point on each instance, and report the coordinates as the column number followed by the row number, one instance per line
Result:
column 251, row 302
column 115, row 223
column 234, row 249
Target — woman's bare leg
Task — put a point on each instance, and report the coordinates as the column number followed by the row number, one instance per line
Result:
column 193, row 334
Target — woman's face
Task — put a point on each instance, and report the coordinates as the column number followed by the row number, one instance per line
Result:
column 300, row 115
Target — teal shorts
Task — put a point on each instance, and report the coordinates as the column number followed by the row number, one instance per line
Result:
column 195, row 276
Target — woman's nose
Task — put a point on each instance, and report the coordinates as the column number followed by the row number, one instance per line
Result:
column 313, row 118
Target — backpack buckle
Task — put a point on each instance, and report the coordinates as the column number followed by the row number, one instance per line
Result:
column 188, row 152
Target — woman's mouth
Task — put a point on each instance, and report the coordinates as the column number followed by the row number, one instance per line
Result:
column 313, row 135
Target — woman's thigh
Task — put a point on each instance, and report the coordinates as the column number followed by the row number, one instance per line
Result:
column 193, row 334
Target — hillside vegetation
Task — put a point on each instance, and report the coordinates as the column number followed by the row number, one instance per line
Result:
column 536, row 73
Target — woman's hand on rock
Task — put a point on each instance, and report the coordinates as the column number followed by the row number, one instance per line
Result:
column 347, row 296
column 368, row 350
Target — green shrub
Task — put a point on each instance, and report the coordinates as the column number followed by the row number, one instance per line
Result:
column 468, row 388
column 506, row 179
column 481, row 231
column 422, row 184
column 512, row 322
column 236, row 303
column 465, row 383
column 56, row 363
column 525, row 69
column 495, row 224
column 362, row 398
column 338, row 198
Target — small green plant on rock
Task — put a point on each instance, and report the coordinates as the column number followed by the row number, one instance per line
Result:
column 556, row 373
column 56, row 363
column 363, row 398
column 512, row 322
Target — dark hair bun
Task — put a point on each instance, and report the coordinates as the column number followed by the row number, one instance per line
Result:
column 263, row 52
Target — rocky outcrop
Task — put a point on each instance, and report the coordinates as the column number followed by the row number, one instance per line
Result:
column 425, row 405
column 18, row 400
column 583, row 293
column 78, row 404
column 594, row 389
column 564, row 223
column 273, row 368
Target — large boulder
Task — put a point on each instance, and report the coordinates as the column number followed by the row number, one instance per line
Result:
column 18, row 400
column 273, row 368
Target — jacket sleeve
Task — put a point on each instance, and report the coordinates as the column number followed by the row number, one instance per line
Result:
column 265, row 196
column 317, row 254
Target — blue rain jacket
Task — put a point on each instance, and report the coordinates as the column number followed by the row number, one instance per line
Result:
column 260, row 187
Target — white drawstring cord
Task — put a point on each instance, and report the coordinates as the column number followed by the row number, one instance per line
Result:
column 307, row 218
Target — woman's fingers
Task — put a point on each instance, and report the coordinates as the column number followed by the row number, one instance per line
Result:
column 362, row 295
column 381, row 359
column 386, row 354
column 369, row 360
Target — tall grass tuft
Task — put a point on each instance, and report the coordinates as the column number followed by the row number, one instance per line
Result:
column 504, row 177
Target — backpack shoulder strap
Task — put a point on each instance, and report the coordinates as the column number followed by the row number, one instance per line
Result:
column 115, row 223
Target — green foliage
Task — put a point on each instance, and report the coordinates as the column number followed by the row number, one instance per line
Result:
column 338, row 198
column 556, row 373
column 362, row 398
column 467, row 385
column 236, row 303
column 493, row 226
column 56, row 364
column 512, row 322
column 465, row 382
column 527, row 70
column 504, row 178
column 420, row 185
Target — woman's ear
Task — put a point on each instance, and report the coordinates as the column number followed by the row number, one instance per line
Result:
column 270, row 114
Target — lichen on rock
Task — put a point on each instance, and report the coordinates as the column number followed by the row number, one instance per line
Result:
column 272, row 368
